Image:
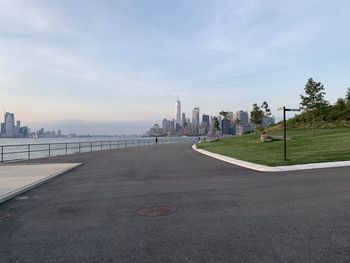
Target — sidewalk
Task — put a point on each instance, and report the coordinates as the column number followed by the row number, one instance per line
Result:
column 265, row 168
column 16, row 179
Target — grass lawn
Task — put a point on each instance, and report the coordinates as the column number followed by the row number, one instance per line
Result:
column 328, row 145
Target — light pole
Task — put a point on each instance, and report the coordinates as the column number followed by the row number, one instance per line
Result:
column 285, row 128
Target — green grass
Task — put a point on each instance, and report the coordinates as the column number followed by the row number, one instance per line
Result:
column 328, row 145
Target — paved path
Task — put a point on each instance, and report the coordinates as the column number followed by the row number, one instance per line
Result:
column 16, row 179
column 224, row 213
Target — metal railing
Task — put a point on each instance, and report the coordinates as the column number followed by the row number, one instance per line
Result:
column 42, row 150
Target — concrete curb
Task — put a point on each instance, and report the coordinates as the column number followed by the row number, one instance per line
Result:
column 265, row 168
column 28, row 187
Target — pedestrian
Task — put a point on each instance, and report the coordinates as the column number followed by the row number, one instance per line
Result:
column 156, row 140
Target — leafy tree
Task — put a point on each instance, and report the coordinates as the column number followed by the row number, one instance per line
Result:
column 224, row 114
column 216, row 124
column 256, row 115
column 313, row 101
column 340, row 108
column 237, row 121
column 347, row 98
column 265, row 107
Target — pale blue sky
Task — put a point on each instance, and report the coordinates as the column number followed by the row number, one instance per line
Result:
column 119, row 61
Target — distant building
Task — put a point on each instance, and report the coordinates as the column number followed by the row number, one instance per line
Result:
column 227, row 127
column 40, row 133
column 195, row 121
column 205, row 118
column 242, row 124
column 183, row 119
column 24, row 131
column 203, row 128
column 165, row 126
column 9, row 125
column 267, row 121
column 171, row 128
column 3, row 129
column 17, row 127
column 178, row 115
column 205, row 121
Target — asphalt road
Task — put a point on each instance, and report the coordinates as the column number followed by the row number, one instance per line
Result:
column 224, row 213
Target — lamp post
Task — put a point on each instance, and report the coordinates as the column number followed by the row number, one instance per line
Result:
column 285, row 128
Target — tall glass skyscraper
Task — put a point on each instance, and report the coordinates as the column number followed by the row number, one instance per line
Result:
column 178, row 114
column 195, row 121
column 9, row 124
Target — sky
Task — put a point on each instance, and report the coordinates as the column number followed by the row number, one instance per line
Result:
column 111, row 67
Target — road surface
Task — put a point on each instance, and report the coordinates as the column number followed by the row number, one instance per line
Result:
column 224, row 213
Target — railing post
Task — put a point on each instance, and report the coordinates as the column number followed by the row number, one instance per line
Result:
column 28, row 151
column 2, row 153
column 49, row 149
column 90, row 146
column 101, row 145
column 66, row 148
column 110, row 144
column 126, row 144
column 118, row 144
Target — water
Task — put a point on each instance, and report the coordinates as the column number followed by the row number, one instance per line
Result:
column 32, row 148
column 17, row 141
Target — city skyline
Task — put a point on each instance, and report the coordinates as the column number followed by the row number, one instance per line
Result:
column 114, row 65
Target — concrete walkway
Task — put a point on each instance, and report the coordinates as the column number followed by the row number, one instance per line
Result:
column 16, row 179
column 265, row 168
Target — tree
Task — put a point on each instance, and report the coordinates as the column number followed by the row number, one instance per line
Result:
column 313, row 100
column 256, row 115
column 237, row 121
column 216, row 124
column 265, row 107
column 224, row 114
column 347, row 98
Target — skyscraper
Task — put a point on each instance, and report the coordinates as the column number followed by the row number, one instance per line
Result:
column 195, row 121
column 178, row 114
column 205, row 118
column 183, row 118
column 9, row 124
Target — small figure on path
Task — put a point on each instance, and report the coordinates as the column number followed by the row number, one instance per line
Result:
column 156, row 140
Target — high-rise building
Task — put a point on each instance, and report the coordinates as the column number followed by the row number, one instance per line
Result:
column 242, row 123
column 17, row 127
column 227, row 127
column 205, row 118
column 165, row 126
column 183, row 119
column 243, row 118
column 9, row 124
column 24, row 131
column 178, row 114
column 171, row 128
column 195, row 121
column 3, row 128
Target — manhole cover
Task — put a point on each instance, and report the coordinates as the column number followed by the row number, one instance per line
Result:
column 157, row 210
column 3, row 215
